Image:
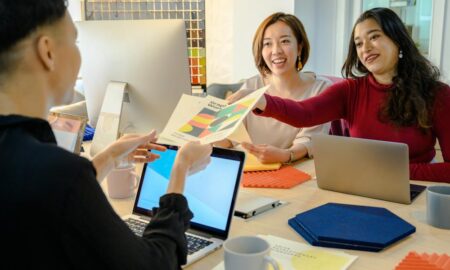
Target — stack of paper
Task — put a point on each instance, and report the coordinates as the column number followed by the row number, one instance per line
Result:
column 426, row 261
column 351, row 227
column 298, row 256
column 291, row 255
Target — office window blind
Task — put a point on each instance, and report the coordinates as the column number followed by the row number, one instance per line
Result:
column 191, row 11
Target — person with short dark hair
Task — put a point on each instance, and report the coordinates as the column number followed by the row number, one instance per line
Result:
column 55, row 214
column 392, row 93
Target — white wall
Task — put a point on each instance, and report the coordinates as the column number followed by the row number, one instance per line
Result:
column 248, row 15
column 75, row 9
column 230, row 26
column 305, row 11
column 319, row 18
column 219, row 41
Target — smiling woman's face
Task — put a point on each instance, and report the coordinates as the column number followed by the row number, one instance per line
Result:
column 280, row 48
column 376, row 51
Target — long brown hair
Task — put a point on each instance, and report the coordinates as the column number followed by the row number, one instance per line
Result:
column 411, row 99
column 297, row 28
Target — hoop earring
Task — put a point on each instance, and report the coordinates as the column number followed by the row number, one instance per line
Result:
column 299, row 64
column 400, row 54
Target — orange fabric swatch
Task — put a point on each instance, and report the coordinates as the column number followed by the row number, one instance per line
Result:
column 286, row 177
column 424, row 261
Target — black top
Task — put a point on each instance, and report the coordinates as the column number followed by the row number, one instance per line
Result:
column 54, row 215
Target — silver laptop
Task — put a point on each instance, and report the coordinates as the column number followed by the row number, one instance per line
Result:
column 369, row 168
column 211, row 196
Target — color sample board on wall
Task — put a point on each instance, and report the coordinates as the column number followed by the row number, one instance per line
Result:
column 191, row 11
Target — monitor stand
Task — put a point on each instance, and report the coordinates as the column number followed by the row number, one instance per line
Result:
column 107, row 128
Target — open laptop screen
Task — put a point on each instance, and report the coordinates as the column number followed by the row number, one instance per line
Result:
column 211, row 193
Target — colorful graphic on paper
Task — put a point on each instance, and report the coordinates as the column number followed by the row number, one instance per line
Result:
column 208, row 121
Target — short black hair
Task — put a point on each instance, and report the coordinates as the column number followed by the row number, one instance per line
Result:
column 20, row 18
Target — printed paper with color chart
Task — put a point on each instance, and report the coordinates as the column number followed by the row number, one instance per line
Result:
column 209, row 119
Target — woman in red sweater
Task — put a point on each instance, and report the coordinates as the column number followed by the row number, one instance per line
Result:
column 391, row 93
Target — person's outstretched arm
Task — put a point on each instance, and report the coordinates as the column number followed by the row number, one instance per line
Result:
column 331, row 104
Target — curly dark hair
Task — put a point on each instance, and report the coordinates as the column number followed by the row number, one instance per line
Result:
column 20, row 18
column 410, row 101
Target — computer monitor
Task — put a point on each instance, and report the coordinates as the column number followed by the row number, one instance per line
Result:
column 149, row 55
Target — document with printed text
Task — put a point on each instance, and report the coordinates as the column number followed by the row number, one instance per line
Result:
column 209, row 119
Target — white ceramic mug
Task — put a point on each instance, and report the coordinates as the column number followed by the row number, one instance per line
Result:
column 248, row 253
column 122, row 182
column 438, row 206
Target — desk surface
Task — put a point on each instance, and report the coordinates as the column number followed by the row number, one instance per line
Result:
column 308, row 195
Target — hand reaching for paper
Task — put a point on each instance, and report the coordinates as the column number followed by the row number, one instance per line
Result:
column 135, row 148
column 127, row 149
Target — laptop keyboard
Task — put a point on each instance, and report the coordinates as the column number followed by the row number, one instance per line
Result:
column 194, row 243
column 137, row 226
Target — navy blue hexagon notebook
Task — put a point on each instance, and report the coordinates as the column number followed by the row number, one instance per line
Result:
column 351, row 227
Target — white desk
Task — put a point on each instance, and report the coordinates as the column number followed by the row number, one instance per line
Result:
column 308, row 195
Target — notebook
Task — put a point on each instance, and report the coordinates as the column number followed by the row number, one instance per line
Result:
column 369, row 168
column 211, row 195
column 253, row 164
column 351, row 227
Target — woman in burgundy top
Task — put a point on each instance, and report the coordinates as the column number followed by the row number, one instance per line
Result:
column 391, row 92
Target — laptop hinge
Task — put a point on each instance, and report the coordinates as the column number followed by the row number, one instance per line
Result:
column 145, row 218
column 199, row 233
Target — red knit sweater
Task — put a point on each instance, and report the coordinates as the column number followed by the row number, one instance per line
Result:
column 358, row 101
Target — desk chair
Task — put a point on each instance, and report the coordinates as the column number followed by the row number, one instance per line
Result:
column 221, row 90
column 338, row 127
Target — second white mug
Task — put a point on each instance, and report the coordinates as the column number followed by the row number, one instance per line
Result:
column 248, row 253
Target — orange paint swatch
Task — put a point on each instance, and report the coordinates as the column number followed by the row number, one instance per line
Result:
column 424, row 261
column 286, row 177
